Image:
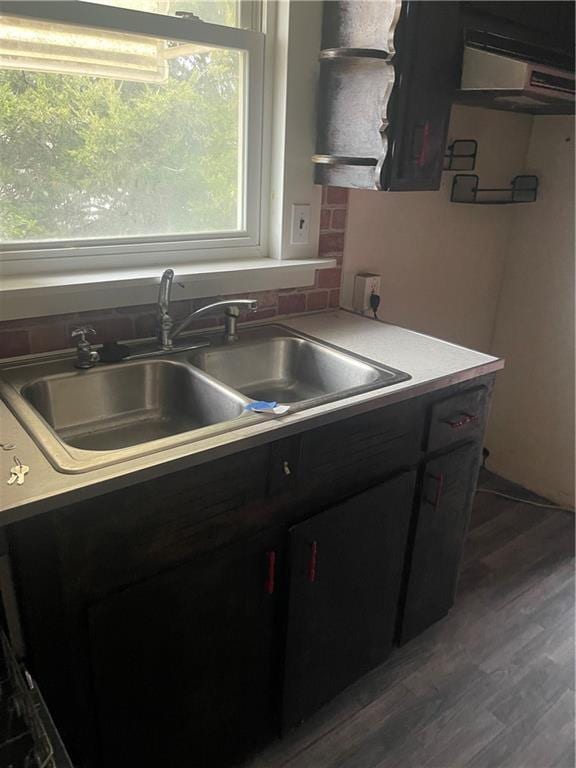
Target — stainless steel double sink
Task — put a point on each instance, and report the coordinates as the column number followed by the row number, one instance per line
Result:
column 110, row 413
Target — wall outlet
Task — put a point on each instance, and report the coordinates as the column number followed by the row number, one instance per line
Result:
column 300, row 225
column 365, row 283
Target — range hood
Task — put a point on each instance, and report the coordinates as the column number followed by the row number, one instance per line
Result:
column 502, row 81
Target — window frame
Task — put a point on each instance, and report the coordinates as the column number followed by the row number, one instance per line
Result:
column 250, row 242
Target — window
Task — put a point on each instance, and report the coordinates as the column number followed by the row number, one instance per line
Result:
column 230, row 13
column 125, row 129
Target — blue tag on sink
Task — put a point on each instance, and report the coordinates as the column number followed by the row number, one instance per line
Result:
column 261, row 405
column 264, row 406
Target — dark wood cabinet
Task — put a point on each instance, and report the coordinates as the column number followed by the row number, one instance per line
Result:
column 345, row 572
column 183, row 662
column 186, row 619
column 447, row 488
column 385, row 93
column 427, row 66
column 348, row 456
column 388, row 80
column 458, row 418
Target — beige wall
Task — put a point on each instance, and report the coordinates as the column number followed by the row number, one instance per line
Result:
column 441, row 263
column 531, row 432
column 496, row 278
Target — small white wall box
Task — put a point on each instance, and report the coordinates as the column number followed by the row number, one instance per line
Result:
column 365, row 283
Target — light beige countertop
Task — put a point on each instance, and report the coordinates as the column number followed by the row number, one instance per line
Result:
column 432, row 364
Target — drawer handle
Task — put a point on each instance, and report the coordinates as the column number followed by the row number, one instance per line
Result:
column 271, row 572
column 423, row 156
column 286, row 469
column 313, row 562
column 463, row 420
column 439, row 480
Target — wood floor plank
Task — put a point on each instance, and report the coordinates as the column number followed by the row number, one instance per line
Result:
column 359, row 731
column 541, row 686
column 385, row 741
column 461, row 726
column 393, row 740
column 501, row 528
column 518, row 745
column 461, row 739
column 485, row 511
column 490, row 686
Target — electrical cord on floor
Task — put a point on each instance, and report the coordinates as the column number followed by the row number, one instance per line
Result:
column 374, row 304
column 523, row 501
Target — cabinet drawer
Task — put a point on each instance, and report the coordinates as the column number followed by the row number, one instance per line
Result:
column 456, row 418
column 126, row 536
column 284, row 466
column 351, row 455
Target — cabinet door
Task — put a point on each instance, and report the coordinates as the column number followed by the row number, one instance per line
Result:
column 345, row 572
column 382, row 121
column 427, row 67
column 443, row 514
column 183, row 663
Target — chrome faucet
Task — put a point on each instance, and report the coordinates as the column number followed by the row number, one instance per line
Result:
column 164, row 321
column 167, row 333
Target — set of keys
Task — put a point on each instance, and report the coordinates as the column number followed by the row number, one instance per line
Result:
column 18, row 472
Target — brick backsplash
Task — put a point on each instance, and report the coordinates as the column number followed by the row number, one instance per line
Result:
column 44, row 334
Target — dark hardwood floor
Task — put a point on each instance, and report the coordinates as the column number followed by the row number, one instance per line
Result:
column 490, row 686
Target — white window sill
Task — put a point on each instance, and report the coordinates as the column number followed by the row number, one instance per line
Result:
column 52, row 293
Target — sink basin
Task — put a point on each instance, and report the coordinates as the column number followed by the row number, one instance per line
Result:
column 110, row 408
column 290, row 369
column 99, row 417
column 111, row 413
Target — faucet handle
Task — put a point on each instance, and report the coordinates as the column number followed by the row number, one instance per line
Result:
column 83, row 331
column 86, row 357
column 234, row 308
